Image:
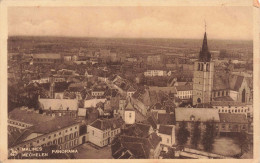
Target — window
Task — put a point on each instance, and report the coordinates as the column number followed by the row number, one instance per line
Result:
column 70, row 129
column 168, row 140
column 222, row 93
column 244, row 127
column 218, row 93
column 223, row 126
column 60, row 133
column 38, row 141
column 49, row 137
column 76, row 127
column 43, row 139
column 130, row 115
column 230, row 127
column 92, row 132
column 54, row 135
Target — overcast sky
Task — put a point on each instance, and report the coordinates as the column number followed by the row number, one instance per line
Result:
column 146, row 22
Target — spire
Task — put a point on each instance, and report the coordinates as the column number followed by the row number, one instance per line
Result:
column 205, row 55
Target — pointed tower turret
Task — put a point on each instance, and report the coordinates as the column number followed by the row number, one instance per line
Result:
column 205, row 55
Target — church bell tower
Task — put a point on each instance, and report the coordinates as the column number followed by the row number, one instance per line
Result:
column 203, row 73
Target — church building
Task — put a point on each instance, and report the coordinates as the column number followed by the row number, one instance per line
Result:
column 203, row 76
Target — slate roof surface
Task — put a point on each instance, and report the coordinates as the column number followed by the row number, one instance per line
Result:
column 165, row 119
column 225, row 81
column 163, row 129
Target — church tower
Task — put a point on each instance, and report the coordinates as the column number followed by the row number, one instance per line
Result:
column 203, row 73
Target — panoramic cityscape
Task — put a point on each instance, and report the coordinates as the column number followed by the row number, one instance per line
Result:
column 130, row 91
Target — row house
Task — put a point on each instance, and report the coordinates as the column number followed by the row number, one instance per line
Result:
column 61, row 131
column 102, row 131
column 233, row 107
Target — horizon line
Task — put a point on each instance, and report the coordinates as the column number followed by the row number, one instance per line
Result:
column 127, row 37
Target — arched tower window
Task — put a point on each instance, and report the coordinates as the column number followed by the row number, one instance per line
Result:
column 198, row 66
column 199, row 100
column 207, row 68
column 201, row 67
column 244, row 96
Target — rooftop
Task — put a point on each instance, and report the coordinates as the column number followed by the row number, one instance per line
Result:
column 201, row 114
column 232, row 118
column 28, row 116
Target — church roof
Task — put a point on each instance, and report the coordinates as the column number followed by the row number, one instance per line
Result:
column 205, row 55
column 226, row 81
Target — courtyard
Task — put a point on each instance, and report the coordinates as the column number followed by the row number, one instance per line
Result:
column 225, row 146
column 89, row 151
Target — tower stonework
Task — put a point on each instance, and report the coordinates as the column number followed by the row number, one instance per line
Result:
column 203, row 73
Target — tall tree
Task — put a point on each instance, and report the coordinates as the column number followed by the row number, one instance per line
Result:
column 243, row 142
column 196, row 134
column 209, row 136
column 183, row 134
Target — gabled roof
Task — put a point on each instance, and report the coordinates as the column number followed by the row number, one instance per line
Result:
column 58, row 104
column 129, row 106
column 201, row 114
column 104, row 124
column 167, row 130
column 227, row 81
column 232, row 118
column 139, row 147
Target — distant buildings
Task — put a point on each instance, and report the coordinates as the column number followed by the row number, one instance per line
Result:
column 152, row 73
column 47, row 58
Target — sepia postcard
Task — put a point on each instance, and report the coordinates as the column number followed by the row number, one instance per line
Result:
column 102, row 80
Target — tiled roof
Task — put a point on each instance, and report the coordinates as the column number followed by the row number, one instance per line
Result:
column 165, row 119
column 139, row 147
column 103, row 124
column 202, row 114
column 184, row 88
column 163, row 129
column 223, row 98
column 232, row 118
column 59, row 104
column 28, row 116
